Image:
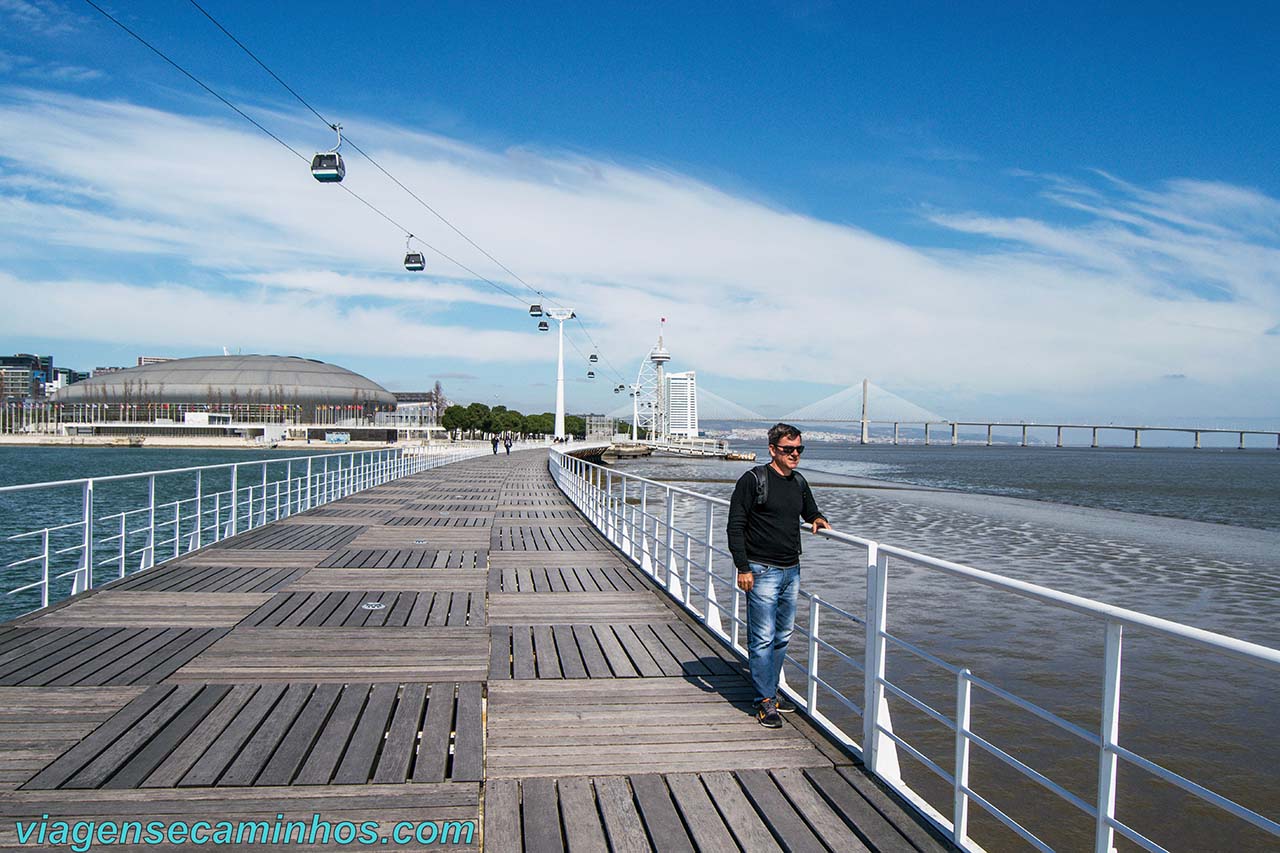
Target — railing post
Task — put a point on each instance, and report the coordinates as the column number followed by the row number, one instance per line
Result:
column 309, row 458
column 235, row 497
column 217, row 516
column 288, row 489
column 879, row 753
column 646, row 561
column 123, row 533
column 263, row 513
column 671, row 582
column 712, row 619
column 44, row 564
column 324, row 494
column 199, row 509
column 1109, row 734
column 86, row 507
column 960, row 809
column 149, row 556
column 608, row 504
column 177, row 527
column 811, row 669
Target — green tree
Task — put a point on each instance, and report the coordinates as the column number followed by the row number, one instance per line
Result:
column 539, row 424
column 455, row 417
column 478, row 414
column 574, row 425
column 507, row 420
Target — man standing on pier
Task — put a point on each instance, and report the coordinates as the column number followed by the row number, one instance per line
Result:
column 764, row 539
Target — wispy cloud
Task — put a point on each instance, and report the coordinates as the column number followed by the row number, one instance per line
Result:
column 31, row 69
column 42, row 17
column 1135, row 284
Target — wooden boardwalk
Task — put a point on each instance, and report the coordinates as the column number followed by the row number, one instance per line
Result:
column 459, row 645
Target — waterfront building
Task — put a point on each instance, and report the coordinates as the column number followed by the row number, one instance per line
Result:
column 682, row 404
column 23, row 375
column 144, row 360
column 17, row 382
column 222, row 396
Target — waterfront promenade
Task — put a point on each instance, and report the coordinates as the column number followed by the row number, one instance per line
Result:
column 454, row 646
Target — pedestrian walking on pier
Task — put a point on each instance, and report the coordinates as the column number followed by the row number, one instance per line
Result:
column 494, row 440
column 506, row 442
column 764, row 539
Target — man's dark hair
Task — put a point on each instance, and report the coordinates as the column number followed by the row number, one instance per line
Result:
column 779, row 431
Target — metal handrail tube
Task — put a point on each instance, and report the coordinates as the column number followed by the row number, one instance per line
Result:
column 1048, row 716
column 846, row 614
column 919, row 756
column 1009, row 822
column 68, row 526
column 1080, row 604
column 838, row 696
column 1200, row 791
column 856, row 664
column 920, row 653
column 1136, row 837
column 921, row 705
column 1030, row 772
column 109, row 478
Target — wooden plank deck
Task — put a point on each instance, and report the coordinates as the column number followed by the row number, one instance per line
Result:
column 456, row 646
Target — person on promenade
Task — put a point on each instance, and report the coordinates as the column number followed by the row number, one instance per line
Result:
column 495, row 445
column 506, row 442
column 764, row 539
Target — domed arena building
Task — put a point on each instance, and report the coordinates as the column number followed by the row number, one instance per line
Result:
column 220, row 395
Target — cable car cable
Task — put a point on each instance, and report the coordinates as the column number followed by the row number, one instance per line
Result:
column 398, row 182
column 295, row 151
column 348, row 190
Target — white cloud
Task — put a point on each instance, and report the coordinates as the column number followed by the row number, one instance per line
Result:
column 177, row 315
column 1177, row 278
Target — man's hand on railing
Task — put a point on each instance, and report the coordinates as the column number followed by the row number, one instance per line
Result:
column 820, row 524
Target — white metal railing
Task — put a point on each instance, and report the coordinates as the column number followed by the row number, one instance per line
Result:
column 169, row 513
column 639, row 517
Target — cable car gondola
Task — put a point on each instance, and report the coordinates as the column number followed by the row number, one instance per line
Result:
column 543, row 326
column 591, row 374
column 413, row 261
column 327, row 166
column 535, row 310
column 593, row 358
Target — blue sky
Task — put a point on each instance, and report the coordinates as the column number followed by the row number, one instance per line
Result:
column 994, row 210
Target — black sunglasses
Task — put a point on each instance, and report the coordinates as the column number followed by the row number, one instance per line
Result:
column 787, row 451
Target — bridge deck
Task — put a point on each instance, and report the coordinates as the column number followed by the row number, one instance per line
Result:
column 518, row 673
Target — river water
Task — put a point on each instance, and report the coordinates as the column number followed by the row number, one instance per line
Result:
column 1192, row 536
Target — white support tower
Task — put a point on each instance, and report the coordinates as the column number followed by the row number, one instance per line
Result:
column 650, row 390
column 560, row 316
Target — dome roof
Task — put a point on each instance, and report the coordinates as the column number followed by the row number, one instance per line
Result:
column 231, row 379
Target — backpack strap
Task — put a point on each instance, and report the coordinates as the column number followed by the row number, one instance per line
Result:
column 761, row 473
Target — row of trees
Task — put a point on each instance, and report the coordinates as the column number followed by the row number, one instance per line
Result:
column 479, row 418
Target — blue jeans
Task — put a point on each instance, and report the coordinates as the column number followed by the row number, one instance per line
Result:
column 771, row 614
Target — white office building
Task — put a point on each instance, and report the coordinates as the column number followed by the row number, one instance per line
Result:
column 682, row 405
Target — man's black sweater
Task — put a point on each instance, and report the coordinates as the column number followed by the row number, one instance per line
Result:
column 769, row 533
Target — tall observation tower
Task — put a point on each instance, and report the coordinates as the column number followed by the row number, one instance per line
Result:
column 650, row 407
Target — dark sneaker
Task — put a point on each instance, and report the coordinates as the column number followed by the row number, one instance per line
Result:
column 767, row 714
column 784, row 705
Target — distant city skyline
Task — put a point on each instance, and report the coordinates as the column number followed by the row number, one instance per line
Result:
column 991, row 212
